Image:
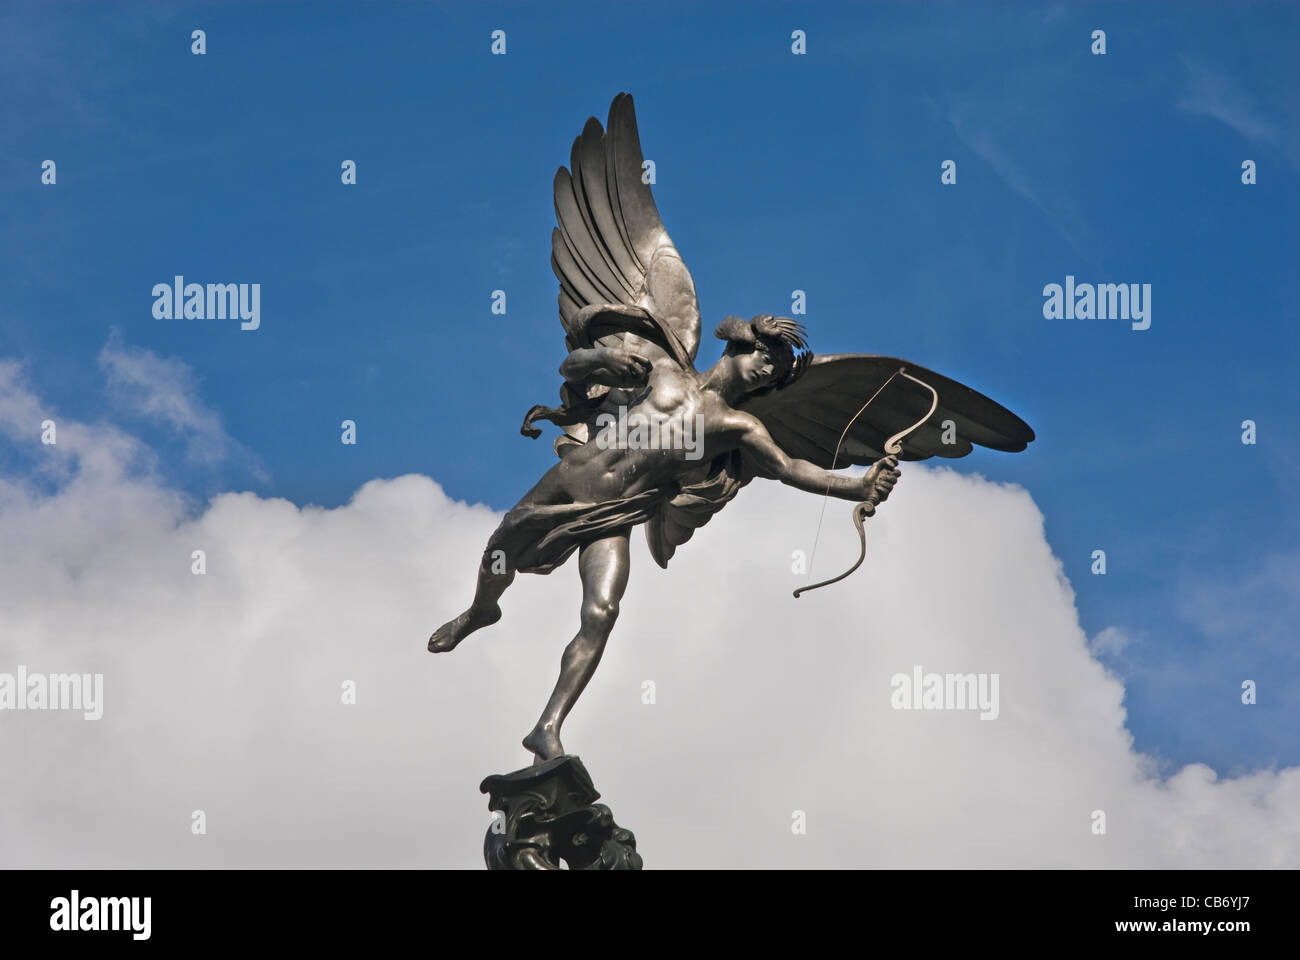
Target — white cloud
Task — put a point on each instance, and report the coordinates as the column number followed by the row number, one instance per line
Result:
column 1110, row 642
column 222, row 692
column 976, row 136
column 164, row 389
column 1262, row 603
column 1212, row 94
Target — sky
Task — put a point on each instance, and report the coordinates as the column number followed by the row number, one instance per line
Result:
column 775, row 172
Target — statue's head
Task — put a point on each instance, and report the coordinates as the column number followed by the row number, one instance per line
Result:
column 760, row 354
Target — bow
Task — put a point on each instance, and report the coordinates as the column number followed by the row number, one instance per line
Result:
column 867, row 508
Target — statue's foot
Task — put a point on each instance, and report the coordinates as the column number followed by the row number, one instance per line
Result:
column 544, row 744
column 453, row 632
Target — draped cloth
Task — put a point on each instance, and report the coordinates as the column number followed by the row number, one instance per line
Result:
column 538, row 537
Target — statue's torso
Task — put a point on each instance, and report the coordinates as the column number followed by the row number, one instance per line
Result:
column 669, row 431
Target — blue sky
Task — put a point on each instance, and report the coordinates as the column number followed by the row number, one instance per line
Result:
column 774, row 172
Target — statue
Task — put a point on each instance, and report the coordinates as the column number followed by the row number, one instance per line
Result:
column 650, row 440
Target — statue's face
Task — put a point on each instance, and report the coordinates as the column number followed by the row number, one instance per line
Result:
column 752, row 367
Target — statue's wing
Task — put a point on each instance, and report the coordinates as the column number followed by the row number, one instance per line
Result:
column 610, row 247
column 807, row 417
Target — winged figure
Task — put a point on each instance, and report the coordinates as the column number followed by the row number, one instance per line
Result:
column 649, row 439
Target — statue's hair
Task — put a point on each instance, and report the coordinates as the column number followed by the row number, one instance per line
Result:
column 779, row 337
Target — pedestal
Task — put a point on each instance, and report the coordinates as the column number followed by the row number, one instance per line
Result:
column 549, row 816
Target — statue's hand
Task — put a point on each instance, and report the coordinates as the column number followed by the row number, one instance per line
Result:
column 623, row 368
column 878, row 482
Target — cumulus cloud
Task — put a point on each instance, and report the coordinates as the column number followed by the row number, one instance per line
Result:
column 223, row 691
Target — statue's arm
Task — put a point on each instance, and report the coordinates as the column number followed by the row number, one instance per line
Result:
column 773, row 462
column 611, row 366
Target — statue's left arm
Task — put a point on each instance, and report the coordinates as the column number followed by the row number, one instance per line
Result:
column 771, row 461
column 611, row 366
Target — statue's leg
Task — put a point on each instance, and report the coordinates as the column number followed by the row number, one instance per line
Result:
column 604, row 568
column 496, row 572
column 494, row 575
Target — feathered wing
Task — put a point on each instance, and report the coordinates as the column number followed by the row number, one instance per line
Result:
column 609, row 247
column 620, row 275
column 807, row 418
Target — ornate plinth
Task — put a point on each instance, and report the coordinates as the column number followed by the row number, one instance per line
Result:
column 550, row 816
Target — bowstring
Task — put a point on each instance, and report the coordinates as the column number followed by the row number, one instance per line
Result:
column 821, row 516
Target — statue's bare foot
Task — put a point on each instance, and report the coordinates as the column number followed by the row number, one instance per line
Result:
column 544, row 743
column 453, row 632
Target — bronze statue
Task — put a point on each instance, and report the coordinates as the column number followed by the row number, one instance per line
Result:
column 648, row 439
